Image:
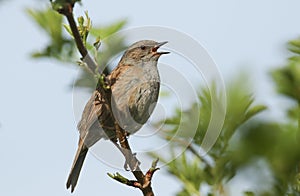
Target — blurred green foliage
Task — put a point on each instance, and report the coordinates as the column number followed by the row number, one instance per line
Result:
column 62, row 47
column 243, row 141
column 59, row 47
column 192, row 169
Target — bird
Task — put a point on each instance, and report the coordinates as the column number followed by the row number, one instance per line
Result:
column 134, row 88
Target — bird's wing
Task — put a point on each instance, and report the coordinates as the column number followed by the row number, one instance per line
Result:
column 88, row 115
column 96, row 121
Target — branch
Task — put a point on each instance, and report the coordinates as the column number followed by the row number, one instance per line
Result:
column 143, row 182
column 66, row 9
column 145, row 187
column 194, row 151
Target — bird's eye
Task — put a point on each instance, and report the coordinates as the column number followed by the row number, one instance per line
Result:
column 143, row 47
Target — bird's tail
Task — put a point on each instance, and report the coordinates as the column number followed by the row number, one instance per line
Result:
column 77, row 165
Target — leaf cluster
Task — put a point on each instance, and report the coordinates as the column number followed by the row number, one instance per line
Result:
column 193, row 170
column 62, row 48
column 242, row 141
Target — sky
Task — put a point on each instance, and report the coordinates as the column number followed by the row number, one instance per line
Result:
column 38, row 128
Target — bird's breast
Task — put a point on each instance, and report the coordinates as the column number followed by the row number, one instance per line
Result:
column 134, row 96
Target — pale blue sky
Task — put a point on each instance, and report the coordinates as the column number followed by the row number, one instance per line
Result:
column 38, row 130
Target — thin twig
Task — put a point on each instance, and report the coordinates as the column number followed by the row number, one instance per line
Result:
column 194, row 151
column 68, row 12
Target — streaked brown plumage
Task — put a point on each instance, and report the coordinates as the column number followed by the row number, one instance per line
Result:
column 134, row 92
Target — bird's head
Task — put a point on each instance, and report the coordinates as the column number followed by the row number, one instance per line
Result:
column 145, row 50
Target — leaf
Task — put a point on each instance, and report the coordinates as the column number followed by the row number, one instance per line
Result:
column 287, row 80
column 254, row 110
column 97, row 43
column 63, row 48
column 295, row 43
column 295, row 50
column 249, row 193
column 106, row 31
column 68, row 29
column 49, row 21
column 58, row 47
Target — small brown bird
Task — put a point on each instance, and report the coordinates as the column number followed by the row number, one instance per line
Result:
column 134, row 87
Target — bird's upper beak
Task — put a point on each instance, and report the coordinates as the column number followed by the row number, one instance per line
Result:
column 157, row 46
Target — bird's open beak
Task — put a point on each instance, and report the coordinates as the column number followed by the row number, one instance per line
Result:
column 157, row 46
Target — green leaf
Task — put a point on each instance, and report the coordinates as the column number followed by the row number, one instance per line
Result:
column 68, row 29
column 62, row 48
column 295, row 50
column 287, row 80
column 249, row 193
column 254, row 110
column 106, row 31
column 97, row 43
column 294, row 46
column 49, row 21
column 59, row 47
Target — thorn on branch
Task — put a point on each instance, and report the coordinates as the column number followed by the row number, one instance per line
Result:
column 151, row 171
column 154, row 163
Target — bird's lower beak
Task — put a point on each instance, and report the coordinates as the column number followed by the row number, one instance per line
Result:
column 157, row 46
